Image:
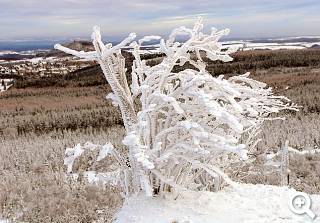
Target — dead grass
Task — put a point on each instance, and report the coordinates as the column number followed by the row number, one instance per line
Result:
column 34, row 187
column 43, row 110
column 51, row 99
column 302, row 86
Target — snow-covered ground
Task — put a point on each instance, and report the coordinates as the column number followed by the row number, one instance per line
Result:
column 247, row 45
column 245, row 204
column 7, row 52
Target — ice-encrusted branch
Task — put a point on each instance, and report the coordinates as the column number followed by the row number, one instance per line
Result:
column 71, row 154
column 93, row 55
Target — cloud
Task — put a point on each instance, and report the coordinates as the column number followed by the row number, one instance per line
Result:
column 31, row 18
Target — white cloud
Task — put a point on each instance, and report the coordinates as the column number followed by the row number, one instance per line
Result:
column 76, row 17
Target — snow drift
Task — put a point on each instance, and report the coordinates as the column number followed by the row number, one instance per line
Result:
column 246, row 203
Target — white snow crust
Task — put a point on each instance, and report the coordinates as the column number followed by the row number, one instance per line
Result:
column 247, row 203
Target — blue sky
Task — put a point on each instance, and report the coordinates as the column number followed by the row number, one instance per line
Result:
column 21, row 19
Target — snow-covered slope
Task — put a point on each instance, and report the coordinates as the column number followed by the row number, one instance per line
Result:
column 246, row 204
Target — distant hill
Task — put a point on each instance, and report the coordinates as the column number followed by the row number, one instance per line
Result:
column 15, row 56
column 75, row 45
column 315, row 46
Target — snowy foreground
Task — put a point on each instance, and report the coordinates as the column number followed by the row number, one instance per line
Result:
column 247, row 203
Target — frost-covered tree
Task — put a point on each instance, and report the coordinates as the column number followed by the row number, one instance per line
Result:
column 189, row 122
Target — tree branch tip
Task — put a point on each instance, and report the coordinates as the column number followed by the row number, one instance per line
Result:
column 57, row 46
column 96, row 28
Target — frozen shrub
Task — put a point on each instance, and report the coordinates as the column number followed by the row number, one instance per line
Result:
column 189, row 120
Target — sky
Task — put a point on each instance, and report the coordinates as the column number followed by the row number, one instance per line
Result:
column 53, row 19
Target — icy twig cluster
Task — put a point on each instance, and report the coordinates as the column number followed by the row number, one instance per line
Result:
column 101, row 152
column 188, row 119
column 279, row 162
